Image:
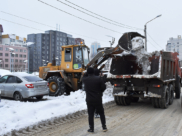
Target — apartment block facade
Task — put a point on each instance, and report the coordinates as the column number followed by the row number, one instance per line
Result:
column 175, row 45
column 18, row 58
column 47, row 46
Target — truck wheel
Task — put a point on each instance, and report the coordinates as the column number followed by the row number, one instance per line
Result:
column 56, row 86
column 134, row 99
column 178, row 90
column 115, row 99
column 153, row 102
column 126, row 101
column 171, row 94
column 157, row 103
column 164, row 102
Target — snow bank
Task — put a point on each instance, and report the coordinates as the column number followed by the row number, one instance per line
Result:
column 4, row 72
column 16, row 115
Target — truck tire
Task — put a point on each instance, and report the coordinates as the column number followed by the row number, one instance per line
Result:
column 118, row 99
column 56, row 86
column 126, row 101
column 115, row 99
column 164, row 102
column 178, row 90
column 155, row 102
column 171, row 94
column 134, row 99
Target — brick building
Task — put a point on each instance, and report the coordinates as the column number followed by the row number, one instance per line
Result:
column 17, row 58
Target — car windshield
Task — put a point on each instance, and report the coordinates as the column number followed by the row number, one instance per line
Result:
column 32, row 78
column 85, row 56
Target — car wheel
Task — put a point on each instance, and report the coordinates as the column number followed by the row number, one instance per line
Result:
column 17, row 96
column 39, row 97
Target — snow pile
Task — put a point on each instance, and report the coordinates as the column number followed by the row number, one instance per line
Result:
column 16, row 115
column 4, row 72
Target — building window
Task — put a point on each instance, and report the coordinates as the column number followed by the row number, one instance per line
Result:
column 6, row 54
column 1, row 48
column 21, row 50
column 7, row 49
column 12, row 60
column 1, row 54
column 24, row 56
column 16, row 50
column 16, row 60
column 20, row 56
column 6, row 65
column 20, row 61
column 16, row 55
column 6, row 60
column 25, row 51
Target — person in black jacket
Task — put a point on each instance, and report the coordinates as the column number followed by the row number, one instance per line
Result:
column 94, row 87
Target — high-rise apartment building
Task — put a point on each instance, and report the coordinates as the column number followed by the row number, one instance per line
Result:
column 46, row 47
column 94, row 47
column 175, row 45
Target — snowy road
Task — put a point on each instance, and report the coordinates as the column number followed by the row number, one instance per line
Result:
column 138, row 119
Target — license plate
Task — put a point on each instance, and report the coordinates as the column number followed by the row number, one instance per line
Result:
column 41, row 86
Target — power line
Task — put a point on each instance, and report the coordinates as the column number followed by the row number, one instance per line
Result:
column 20, row 24
column 78, row 17
column 102, row 16
column 27, row 19
column 48, row 25
column 95, row 16
column 28, row 26
column 152, row 44
column 154, row 41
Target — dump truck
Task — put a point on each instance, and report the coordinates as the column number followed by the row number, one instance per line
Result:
column 137, row 74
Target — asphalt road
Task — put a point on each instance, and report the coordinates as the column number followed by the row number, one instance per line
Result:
column 138, row 119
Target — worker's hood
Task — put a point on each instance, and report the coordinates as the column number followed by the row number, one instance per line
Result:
column 125, row 41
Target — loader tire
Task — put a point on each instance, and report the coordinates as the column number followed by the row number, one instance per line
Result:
column 121, row 100
column 118, row 99
column 56, row 86
column 171, row 94
column 164, row 101
column 178, row 90
column 134, row 99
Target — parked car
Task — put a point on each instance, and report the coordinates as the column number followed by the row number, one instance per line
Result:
column 22, row 86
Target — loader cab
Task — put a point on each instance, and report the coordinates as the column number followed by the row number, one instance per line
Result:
column 74, row 58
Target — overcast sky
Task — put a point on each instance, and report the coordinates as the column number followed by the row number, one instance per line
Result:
column 134, row 13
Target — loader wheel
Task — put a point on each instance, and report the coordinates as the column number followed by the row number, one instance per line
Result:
column 126, row 101
column 134, row 99
column 153, row 102
column 164, row 102
column 157, row 103
column 56, row 86
column 118, row 99
column 178, row 90
column 171, row 94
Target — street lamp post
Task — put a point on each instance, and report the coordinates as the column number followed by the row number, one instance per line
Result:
column 145, row 31
column 11, row 51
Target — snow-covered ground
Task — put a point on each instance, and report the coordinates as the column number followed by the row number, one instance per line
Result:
column 16, row 115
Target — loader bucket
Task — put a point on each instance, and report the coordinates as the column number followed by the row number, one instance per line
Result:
column 125, row 41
